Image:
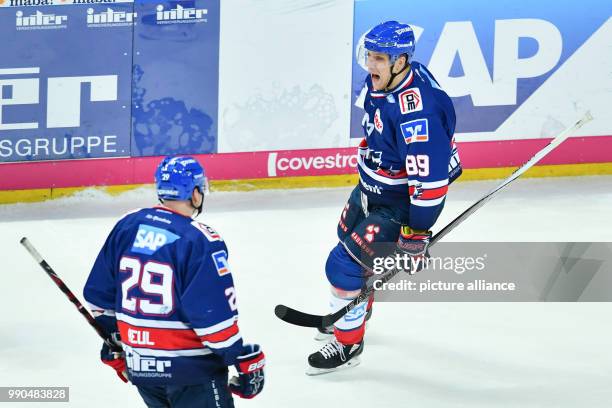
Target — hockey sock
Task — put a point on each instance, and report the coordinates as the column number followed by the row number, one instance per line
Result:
column 350, row 329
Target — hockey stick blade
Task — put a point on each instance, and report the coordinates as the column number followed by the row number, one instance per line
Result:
column 292, row 316
column 298, row 318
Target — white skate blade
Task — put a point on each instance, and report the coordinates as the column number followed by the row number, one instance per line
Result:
column 318, row 371
column 323, row 336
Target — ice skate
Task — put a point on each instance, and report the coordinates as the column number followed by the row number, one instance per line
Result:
column 334, row 356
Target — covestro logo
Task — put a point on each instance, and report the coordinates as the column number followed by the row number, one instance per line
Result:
column 306, row 163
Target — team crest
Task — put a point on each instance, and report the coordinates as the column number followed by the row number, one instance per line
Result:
column 410, row 101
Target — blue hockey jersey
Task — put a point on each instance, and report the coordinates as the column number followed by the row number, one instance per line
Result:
column 166, row 280
column 408, row 156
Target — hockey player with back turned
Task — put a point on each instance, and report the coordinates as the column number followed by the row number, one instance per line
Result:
column 406, row 161
column 161, row 284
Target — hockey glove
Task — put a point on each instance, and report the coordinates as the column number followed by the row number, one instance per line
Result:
column 414, row 244
column 114, row 358
column 250, row 366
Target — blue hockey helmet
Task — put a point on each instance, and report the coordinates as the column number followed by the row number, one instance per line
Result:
column 391, row 37
column 176, row 178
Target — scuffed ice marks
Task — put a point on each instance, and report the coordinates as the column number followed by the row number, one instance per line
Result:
column 165, row 126
column 291, row 118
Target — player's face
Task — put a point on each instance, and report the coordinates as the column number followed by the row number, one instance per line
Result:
column 379, row 65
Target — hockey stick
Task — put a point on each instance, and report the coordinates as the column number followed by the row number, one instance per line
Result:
column 298, row 318
column 62, row 286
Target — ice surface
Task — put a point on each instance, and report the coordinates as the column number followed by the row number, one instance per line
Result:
column 417, row 354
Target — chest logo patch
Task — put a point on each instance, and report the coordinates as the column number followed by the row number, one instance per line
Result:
column 378, row 125
column 410, row 101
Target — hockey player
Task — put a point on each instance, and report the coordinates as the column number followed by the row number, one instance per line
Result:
column 406, row 162
column 161, row 284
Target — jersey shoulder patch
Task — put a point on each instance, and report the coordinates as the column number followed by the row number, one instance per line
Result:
column 210, row 234
column 220, row 260
column 410, row 101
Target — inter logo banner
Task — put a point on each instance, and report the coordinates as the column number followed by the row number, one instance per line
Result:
column 64, row 82
column 98, row 79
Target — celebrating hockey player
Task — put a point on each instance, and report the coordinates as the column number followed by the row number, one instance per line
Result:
column 161, row 284
column 406, row 162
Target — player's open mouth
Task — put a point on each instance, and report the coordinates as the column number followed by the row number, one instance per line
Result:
column 375, row 77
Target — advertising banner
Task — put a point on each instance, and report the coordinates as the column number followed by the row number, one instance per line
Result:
column 64, row 80
column 513, row 71
column 99, row 79
column 176, row 77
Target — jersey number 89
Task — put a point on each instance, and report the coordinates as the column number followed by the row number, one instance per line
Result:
column 155, row 281
column 417, row 165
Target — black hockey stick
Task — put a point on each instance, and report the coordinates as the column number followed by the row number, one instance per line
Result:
column 62, row 286
column 298, row 318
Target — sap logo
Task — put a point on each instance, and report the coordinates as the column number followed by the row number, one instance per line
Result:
column 108, row 17
column 220, row 260
column 371, row 189
column 136, row 362
column 180, row 14
column 458, row 40
column 39, row 20
column 149, row 239
column 63, row 96
column 415, row 131
column 357, row 313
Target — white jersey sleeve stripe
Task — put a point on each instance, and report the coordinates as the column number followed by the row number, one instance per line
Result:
column 223, row 344
column 427, row 203
column 166, row 353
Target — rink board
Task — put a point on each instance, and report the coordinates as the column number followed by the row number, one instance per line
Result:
column 290, row 168
column 114, row 109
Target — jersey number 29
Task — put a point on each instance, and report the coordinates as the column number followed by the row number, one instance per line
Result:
column 154, row 279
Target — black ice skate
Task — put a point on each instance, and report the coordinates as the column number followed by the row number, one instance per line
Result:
column 334, row 356
column 326, row 333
